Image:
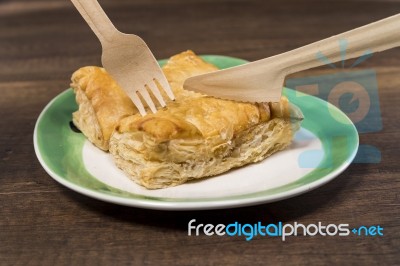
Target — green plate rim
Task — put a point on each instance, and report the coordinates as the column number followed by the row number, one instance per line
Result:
column 46, row 150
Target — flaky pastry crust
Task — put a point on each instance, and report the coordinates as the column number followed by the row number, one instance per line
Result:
column 102, row 104
column 193, row 137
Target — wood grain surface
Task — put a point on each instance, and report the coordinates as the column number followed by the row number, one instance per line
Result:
column 44, row 223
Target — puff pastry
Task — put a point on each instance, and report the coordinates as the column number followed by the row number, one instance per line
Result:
column 193, row 137
column 102, row 103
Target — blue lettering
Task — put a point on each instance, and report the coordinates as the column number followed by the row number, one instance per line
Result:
column 229, row 226
column 365, row 230
column 372, row 230
column 260, row 229
column 276, row 230
column 248, row 234
column 380, row 229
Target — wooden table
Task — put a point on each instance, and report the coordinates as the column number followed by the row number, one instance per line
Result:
column 44, row 223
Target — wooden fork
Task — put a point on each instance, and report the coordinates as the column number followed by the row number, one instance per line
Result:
column 262, row 80
column 126, row 58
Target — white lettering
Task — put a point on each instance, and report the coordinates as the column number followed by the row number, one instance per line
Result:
column 208, row 229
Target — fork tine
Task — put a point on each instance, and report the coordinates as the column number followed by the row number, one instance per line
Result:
column 154, row 89
column 165, row 85
column 146, row 96
column 138, row 103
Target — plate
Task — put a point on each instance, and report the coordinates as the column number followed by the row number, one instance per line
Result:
column 324, row 147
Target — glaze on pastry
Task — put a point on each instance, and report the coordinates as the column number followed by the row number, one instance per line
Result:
column 195, row 136
column 102, row 104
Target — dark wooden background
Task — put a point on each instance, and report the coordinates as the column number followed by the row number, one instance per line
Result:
column 43, row 223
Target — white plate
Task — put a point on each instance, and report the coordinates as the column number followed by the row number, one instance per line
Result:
column 323, row 148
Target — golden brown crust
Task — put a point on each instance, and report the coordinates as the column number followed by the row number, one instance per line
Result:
column 102, row 103
column 197, row 135
column 192, row 111
column 193, row 137
column 182, row 66
column 161, row 165
column 200, row 115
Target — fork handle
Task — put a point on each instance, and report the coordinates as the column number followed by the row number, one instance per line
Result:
column 375, row 37
column 97, row 19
